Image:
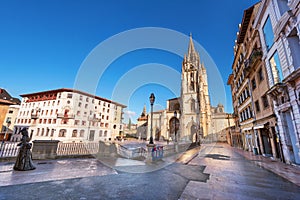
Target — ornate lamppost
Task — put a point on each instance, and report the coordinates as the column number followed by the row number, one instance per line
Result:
column 152, row 99
column 175, row 118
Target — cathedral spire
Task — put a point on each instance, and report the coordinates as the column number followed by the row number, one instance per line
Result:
column 144, row 113
column 192, row 55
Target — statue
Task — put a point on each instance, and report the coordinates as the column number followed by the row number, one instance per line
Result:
column 24, row 158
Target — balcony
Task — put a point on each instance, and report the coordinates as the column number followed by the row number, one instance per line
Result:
column 94, row 119
column 65, row 116
column 34, row 116
column 253, row 59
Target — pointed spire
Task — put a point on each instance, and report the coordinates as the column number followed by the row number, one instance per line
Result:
column 144, row 113
column 193, row 55
column 144, row 109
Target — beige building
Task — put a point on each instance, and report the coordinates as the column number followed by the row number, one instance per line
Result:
column 70, row 116
column 220, row 121
column 6, row 100
column 11, row 117
column 188, row 117
column 241, row 85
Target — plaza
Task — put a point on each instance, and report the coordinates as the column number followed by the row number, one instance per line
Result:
column 217, row 171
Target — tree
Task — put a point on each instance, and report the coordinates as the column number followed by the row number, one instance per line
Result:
column 129, row 124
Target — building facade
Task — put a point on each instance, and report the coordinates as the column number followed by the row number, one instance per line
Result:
column 188, row 117
column 6, row 100
column 278, row 24
column 70, row 116
column 220, row 123
column 266, row 79
column 10, row 119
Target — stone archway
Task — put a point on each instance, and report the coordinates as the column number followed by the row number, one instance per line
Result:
column 193, row 131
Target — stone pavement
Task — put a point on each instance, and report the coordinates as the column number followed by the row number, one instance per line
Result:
column 289, row 172
column 234, row 177
column 217, row 171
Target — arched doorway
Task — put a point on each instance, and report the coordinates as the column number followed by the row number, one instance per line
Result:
column 194, row 136
column 157, row 134
column 174, row 126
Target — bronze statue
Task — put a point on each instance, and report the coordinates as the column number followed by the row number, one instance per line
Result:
column 24, row 158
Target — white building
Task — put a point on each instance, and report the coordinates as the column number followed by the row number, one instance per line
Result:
column 70, row 116
column 278, row 23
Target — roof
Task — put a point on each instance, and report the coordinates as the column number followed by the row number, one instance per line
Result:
column 177, row 98
column 6, row 98
column 74, row 91
column 244, row 25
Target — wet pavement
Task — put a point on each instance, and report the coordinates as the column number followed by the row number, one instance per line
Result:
column 215, row 172
column 234, row 177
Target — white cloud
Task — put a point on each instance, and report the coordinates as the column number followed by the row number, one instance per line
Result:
column 129, row 113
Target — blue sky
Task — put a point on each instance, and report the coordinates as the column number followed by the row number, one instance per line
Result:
column 44, row 43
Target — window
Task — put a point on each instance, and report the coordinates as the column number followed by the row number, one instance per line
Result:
column 10, row 111
column 54, row 121
column 87, row 99
column 257, row 106
column 86, row 105
column 115, row 126
column 80, row 97
column 105, row 133
column 260, row 75
column 100, row 133
column 78, row 113
column 42, row 134
column 77, row 122
column 38, row 132
column 74, row 133
column 92, row 135
column 79, row 104
column 276, row 68
column 106, row 125
column 81, row 133
column 69, row 96
column 83, row 123
column 62, row 133
column 265, row 101
column 253, row 82
column 52, row 132
column 268, row 34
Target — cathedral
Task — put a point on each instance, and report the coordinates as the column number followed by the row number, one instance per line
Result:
column 187, row 117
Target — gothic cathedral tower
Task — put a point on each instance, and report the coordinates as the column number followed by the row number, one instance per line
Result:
column 195, row 103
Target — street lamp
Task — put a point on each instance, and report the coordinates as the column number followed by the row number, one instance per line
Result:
column 175, row 115
column 152, row 99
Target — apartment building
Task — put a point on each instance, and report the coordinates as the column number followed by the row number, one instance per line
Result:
column 278, row 24
column 70, row 116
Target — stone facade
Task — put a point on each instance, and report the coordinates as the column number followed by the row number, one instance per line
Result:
column 187, row 117
column 265, row 79
column 278, row 23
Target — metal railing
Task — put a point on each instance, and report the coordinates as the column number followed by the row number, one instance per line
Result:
column 9, row 150
column 131, row 152
column 77, row 148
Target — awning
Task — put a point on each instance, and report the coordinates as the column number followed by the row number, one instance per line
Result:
column 247, row 129
column 259, row 126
